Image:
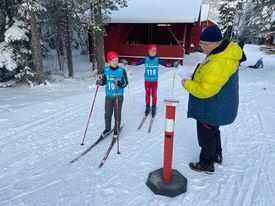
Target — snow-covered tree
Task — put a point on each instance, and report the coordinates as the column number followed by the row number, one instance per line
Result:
column 94, row 16
column 15, row 50
column 227, row 11
column 255, row 21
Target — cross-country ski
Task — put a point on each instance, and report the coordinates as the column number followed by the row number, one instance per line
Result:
column 137, row 103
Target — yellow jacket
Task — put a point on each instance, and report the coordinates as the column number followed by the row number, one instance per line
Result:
column 212, row 74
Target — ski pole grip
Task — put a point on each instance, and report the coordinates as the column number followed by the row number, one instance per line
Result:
column 169, row 138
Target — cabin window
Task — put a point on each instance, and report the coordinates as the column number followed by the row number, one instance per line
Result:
column 161, row 34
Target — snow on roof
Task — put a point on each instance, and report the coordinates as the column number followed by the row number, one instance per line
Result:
column 204, row 12
column 158, row 11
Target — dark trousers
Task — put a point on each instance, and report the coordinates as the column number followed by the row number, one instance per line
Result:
column 210, row 142
column 110, row 108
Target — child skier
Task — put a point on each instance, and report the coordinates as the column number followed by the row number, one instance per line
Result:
column 115, row 79
column 151, row 63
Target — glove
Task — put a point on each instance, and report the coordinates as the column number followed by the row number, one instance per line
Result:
column 176, row 64
column 125, row 62
column 115, row 81
column 99, row 82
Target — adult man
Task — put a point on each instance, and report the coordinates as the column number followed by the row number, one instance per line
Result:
column 214, row 98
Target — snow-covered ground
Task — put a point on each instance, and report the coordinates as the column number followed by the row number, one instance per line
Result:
column 41, row 129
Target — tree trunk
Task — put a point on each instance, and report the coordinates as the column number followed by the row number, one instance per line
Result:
column 93, row 51
column 37, row 51
column 100, row 52
column 98, row 40
column 68, row 41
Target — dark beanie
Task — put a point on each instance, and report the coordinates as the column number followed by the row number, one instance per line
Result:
column 211, row 34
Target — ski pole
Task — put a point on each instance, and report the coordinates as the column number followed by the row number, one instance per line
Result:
column 117, row 127
column 173, row 84
column 91, row 111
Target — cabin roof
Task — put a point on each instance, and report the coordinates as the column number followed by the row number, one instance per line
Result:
column 161, row 11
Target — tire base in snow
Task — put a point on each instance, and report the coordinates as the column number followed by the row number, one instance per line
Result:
column 177, row 186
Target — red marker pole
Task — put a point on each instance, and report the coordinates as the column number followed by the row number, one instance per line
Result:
column 168, row 140
column 167, row 181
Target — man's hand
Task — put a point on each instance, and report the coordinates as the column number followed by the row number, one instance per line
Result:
column 183, row 81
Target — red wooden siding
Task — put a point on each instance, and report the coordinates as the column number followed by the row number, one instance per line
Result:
column 130, row 41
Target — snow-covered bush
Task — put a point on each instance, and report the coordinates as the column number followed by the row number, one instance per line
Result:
column 26, row 75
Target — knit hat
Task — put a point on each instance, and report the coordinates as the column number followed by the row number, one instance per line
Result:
column 152, row 47
column 211, row 34
column 111, row 55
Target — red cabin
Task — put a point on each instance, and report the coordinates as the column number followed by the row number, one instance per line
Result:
column 174, row 25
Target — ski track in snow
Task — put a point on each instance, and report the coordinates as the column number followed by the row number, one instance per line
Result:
column 41, row 131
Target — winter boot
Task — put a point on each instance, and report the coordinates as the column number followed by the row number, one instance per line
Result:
column 218, row 159
column 202, row 167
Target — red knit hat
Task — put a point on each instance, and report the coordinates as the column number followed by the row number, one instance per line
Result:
column 111, row 55
column 152, row 47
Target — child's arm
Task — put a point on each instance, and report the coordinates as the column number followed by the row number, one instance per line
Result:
column 124, row 82
column 101, row 81
column 163, row 63
column 140, row 62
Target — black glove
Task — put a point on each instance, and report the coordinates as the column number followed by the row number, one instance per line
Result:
column 116, row 81
column 176, row 64
column 99, row 82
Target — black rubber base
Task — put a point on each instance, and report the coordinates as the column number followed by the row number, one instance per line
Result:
column 177, row 186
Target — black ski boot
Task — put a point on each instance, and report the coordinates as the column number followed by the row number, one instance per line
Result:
column 154, row 110
column 115, row 135
column 202, row 167
column 104, row 133
column 218, row 159
column 147, row 110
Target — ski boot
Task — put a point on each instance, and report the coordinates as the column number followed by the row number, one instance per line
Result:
column 154, row 110
column 147, row 110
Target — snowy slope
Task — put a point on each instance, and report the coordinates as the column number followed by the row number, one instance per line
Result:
column 41, row 130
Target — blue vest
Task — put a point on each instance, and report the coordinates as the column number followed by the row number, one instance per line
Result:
column 220, row 109
column 151, row 73
column 110, row 87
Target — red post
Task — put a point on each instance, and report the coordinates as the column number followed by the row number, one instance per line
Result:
column 168, row 141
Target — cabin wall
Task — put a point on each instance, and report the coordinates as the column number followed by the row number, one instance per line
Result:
column 116, row 39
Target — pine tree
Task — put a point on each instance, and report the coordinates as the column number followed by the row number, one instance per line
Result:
column 95, row 22
column 255, row 22
column 227, row 11
column 15, row 50
column 31, row 7
column 260, row 22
